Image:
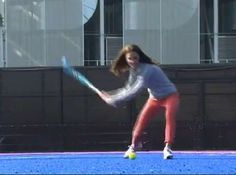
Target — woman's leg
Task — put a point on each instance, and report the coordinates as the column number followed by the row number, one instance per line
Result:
column 148, row 112
column 171, row 104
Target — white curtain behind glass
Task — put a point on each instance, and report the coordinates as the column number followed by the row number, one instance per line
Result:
column 167, row 30
column 39, row 33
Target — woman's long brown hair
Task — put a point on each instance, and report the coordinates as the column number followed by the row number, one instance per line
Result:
column 120, row 66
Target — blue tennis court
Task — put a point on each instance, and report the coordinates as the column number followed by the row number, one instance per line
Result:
column 184, row 162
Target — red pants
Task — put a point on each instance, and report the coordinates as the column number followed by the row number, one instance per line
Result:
column 149, row 111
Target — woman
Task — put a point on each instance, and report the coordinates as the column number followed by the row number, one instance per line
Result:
column 145, row 74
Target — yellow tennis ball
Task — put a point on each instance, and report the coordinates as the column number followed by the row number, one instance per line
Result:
column 132, row 155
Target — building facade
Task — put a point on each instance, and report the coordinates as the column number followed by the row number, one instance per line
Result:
column 91, row 32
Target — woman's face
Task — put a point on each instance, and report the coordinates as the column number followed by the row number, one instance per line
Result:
column 132, row 59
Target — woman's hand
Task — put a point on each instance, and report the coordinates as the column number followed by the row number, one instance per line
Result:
column 106, row 97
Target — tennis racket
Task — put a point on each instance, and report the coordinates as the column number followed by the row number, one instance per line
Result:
column 78, row 76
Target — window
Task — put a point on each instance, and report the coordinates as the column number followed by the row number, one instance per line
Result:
column 96, row 32
column 113, row 17
column 218, row 46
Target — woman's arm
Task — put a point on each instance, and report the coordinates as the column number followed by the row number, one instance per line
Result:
column 105, row 96
column 123, row 94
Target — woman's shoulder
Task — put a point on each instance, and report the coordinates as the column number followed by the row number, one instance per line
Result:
column 146, row 68
column 150, row 66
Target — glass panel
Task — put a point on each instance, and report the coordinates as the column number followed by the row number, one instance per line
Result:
column 206, row 29
column 142, row 25
column 40, row 32
column 180, row 31
column 227, row 16
column 93, row 24
column 167, row 30
column 206, row 47
column 227, row 31
column 89, row 8
column 113, row 17
column 92, row 39
column 92, row 50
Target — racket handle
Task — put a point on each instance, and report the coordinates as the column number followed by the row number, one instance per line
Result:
column 95, row 89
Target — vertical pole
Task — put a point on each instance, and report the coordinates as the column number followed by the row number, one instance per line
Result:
column 4, row 35
column 199, row 34
column 102, row 54
column 216, row 30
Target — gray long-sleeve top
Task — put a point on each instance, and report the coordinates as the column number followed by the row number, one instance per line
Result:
column 146, row 76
